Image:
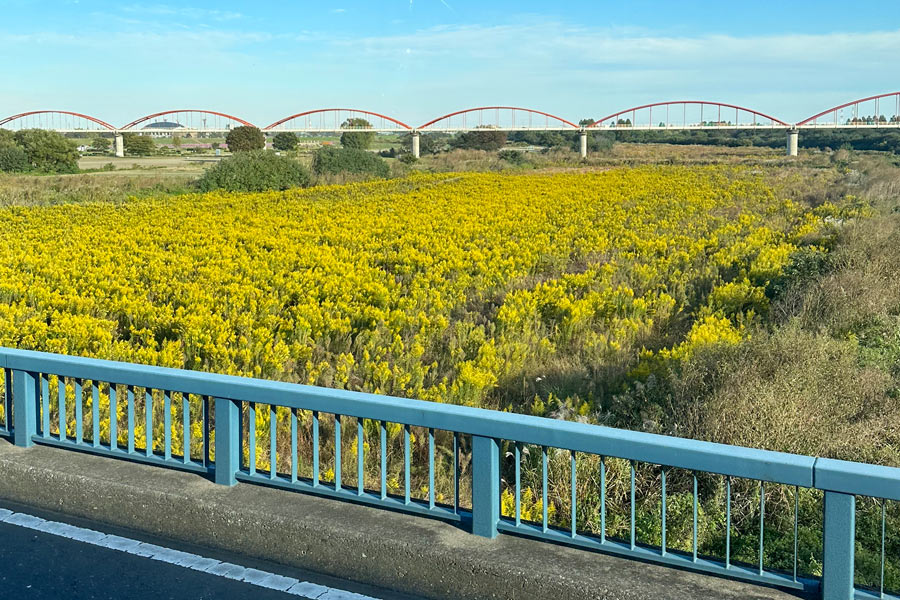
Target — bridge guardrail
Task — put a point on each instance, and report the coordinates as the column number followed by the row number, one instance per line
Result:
column 218, row 431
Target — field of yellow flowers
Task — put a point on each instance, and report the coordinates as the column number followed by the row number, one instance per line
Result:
column 441, row 287
column 538, row 293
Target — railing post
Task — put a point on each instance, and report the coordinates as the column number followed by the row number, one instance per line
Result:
column 839, row 540
column 485, row 486
column 25, row 403
column 228, row 441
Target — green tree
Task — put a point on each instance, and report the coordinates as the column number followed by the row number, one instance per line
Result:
column 254, row 171
column 100, row 143
column 176, row 142
column 360, row 140
column 285, row 141
column 13, row 159
column 138, row 145
column 6, row 138
column 586, row 122
column 483, row 137
column 245, row 138
column 48, row 151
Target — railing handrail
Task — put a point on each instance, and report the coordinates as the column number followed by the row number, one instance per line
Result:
column 27, row 378
column 723, row 459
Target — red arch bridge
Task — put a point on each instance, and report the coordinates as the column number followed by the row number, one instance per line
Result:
column 873, row 112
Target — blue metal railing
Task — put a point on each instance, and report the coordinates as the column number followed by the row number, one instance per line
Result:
column 218, row 418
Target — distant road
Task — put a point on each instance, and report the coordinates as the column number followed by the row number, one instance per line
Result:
column 80, row 563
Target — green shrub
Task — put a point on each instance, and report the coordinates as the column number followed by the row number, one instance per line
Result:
column 254, row 171
column 408, row 158
column 333, row 161
column 13, row 159
column 513, row 157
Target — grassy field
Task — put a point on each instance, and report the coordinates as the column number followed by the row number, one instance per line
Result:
column 732, row 295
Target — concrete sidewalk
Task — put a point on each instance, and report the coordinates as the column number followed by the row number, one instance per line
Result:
column 409, row 554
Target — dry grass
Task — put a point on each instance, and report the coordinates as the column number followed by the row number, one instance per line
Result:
column 29, row 190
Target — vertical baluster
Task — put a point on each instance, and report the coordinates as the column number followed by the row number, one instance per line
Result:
column 130, row 417
column 762, row 519
column 382, row 434
column 186, row 426
column 728, row 522
column 167, row 423
column 518, row 456
column 572, row 484
column 95, row 414
column 406, row 464
column 632, row 504
column 251, row 438
column 204, row 407
column 455, row 472
column 796, row 527
column 315, row 448
column 148, row 417
column 430, row 468
column 695, row 519
column 663, row 513
column 113, row 417
column 602, row 499
column 337, row 452
column 61, row 395
column 7, row 399
column 883, row 519
column 273, row 450
column 242, row 431
column 544, row 486
column 360, row 458
column 45, row 405
column 294, row 466
column 79, row 412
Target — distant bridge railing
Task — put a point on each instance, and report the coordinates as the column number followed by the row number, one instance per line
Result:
column 220, row 416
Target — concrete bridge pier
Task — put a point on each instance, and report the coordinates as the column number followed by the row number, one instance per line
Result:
column 583, row 143
column 415, row 144
column 120, row 145
column 792, row 141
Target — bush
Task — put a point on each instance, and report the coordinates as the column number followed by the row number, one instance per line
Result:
column 48, row 151
column 285, row 141
column 408, row 158
column 13, row 159
column 332, row 161
column 254, row 171
column 513, row 157
column 481, row 138
column 245, row 139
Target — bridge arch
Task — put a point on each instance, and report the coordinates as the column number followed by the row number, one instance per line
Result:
column 340, row 115
column 717, row 112
column 500, row 117
column 855, row 103
column 188, row 116
column 65, row 114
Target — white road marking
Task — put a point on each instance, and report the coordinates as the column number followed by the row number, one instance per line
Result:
column 273, row 581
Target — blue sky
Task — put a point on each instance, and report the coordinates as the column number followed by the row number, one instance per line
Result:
column 417, row 59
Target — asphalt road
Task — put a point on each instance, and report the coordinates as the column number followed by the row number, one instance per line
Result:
column 38, row 565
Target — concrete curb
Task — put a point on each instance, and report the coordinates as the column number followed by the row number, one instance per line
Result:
column 409, row 554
